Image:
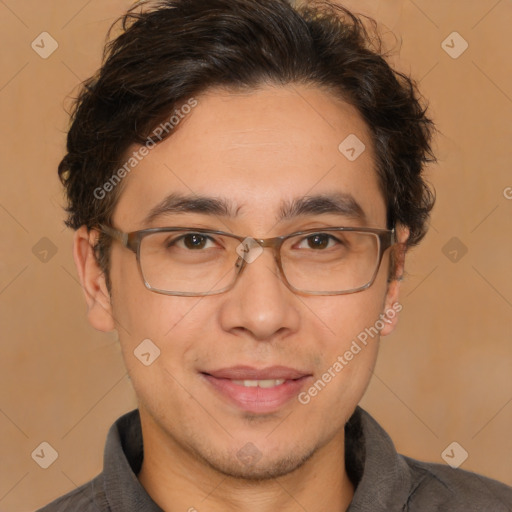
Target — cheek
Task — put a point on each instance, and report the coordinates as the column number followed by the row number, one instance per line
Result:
column 350, row 348
column 346, row 316
column 147, row 322
column 166, row 326
column 346, row 356
column 138, row 312
column 157, row 340
column 351, row 353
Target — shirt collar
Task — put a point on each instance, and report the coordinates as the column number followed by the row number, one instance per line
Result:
column 122, row 462
column 381, row 476
column 386, row 481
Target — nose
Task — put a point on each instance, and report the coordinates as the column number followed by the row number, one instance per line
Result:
column 260, row 305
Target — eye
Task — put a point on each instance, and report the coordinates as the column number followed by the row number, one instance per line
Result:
column 192, row 241
column 318, row 241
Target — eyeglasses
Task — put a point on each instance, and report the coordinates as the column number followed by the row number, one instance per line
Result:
column 197, row 262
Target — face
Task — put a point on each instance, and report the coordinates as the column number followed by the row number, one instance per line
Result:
column 257, row 152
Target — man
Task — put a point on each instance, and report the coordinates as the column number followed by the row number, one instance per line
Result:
column 244, row 178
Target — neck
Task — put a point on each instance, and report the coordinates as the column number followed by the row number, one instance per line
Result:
column 177, row 480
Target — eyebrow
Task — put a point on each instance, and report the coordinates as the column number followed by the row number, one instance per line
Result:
column 321, row 204
column 337, row 203
column 177, row 203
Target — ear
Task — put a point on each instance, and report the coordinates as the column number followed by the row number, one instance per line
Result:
column 391, row 304
column 92, row 279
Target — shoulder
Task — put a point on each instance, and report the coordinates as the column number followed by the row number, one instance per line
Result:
column 445, row 488
column 86, row 498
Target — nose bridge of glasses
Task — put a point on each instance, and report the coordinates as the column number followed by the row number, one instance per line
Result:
column 275, row 244
column 268, row 242
column 252, row 249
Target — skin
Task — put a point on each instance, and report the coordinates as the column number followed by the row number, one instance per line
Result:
column 255, row 149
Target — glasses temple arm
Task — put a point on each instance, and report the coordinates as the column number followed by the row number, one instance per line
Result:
column 115, row 234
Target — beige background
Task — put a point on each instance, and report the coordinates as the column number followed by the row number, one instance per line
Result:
column 445, row 375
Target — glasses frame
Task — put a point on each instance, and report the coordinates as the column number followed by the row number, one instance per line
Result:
column 133, row 240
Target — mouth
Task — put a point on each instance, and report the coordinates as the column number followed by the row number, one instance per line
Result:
column 258, row 391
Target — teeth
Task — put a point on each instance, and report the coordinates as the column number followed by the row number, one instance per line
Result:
column 269, row 383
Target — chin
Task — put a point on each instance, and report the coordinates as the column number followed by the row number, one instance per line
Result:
column 249, row 464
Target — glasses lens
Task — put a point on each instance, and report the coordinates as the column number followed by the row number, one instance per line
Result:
column 330, row 261
column 188, row 262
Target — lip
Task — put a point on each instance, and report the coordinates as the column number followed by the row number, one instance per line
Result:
column 250, row 373
column 255, row 399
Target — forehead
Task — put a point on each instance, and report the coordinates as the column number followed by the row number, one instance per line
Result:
column 258, row 150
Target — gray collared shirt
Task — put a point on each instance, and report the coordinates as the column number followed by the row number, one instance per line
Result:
column 385, row 480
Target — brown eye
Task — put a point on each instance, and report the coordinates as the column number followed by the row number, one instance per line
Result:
column 195, row 241
column 317, row 241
